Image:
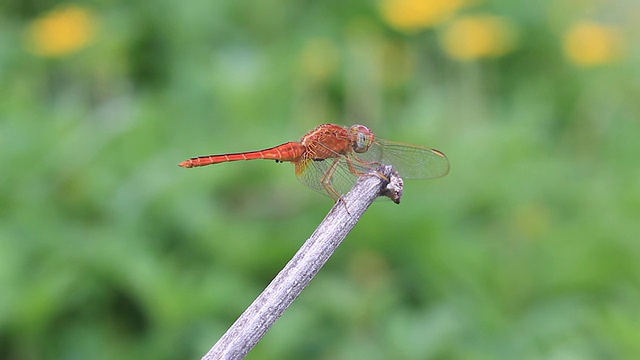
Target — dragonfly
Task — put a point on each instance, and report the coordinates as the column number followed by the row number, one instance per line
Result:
column 330, row 158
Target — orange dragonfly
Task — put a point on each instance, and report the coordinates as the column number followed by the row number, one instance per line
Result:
column 330, row 158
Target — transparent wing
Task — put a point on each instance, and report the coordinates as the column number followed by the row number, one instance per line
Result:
column 410, row 161
column 335, row 171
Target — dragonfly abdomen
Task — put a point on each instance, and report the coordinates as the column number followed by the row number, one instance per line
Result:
column 290, row 151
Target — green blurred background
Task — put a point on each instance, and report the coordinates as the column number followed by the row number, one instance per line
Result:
column 528, row 249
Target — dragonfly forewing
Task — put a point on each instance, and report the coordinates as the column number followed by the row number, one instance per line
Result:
column 410, row 161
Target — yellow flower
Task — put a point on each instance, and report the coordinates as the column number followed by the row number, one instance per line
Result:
column 479, row 36
column 60, row 32
column 588, row 44
column 412, row 15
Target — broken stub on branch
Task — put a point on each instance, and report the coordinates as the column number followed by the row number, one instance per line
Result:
column 394, row 186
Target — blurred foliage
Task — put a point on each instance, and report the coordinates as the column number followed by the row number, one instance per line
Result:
column 528, row 249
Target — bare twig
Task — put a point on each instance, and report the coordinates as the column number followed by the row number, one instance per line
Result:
column 245, row 333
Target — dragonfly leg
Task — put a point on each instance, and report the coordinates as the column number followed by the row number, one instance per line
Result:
column 369, row 164
column 326, row 179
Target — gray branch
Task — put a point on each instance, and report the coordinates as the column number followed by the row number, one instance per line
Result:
column 245, row 333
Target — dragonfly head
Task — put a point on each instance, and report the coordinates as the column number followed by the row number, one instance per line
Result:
column 362, row 138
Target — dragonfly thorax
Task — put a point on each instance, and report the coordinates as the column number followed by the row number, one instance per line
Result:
column 362, row 138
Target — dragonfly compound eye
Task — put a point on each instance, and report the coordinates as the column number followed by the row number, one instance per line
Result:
column 363, row 138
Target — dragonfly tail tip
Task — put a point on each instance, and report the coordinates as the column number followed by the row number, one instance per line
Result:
column 186, row 164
